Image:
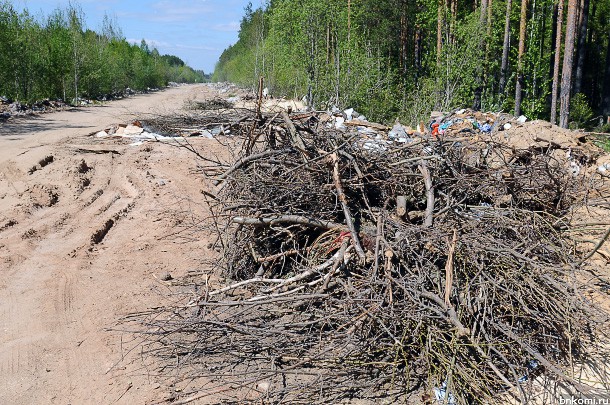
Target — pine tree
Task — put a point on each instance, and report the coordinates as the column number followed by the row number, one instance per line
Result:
column 582, row 42
column 566, row 72
column 505, row 49
column 519, row 85
column 555, row 85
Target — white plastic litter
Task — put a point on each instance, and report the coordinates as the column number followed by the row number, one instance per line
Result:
column 206, row 134
column 397, row 132
column 101, row 134
column 349, row 113
column 574, row 168
column 374, row 146
column 507, row 126
column 442, row 397
column 132, row 130
column 139, row 139
column 522, row 119
column 366, row 130
column 339, row 122
column 604, row 168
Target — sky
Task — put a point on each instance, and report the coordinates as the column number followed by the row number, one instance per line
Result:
column 197, row 31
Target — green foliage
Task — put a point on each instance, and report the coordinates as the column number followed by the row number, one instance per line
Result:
column 58, row 57
column 365, row 55
column 580, row 111
column 605, row 143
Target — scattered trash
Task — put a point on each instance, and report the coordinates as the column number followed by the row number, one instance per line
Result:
column 442, row 397
column 206, row 134
column 339, row 123
column 397, row 132
column 522, row 119
column 355, row 227
column 486, row 128
column 574, row 168
column 132, row 130
column 349, row 114
column 532, row 367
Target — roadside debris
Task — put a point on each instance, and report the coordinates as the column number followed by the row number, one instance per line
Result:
column 360, row 260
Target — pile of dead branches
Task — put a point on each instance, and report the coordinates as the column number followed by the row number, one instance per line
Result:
column 203, row 116
column 355, row 268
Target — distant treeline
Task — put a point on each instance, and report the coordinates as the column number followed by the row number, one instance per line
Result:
column 404, row 58
column 57, row 57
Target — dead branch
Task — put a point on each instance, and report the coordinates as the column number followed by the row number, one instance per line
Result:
column 478, row 295
column 288, row 219
column 423, row 168
column 346, row 211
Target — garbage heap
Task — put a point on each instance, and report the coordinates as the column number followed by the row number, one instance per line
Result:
column 361, row 264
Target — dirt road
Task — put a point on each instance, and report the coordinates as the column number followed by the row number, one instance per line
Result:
column 85, row 235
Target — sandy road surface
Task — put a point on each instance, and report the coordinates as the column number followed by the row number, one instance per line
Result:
column 82, row 237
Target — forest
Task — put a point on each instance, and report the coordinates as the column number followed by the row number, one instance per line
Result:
column 389, row 59
column 58, row 57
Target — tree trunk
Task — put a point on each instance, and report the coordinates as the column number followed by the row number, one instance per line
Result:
column 349, row 20
column 606, row 88
column 483, row 15
column 582, row 45
column 505, row 48
column 566, row 71
column 480, row 69
column 555, row 85
column 404, row 41
column 439, row 31
column 418, row 51
column 489, row 18
column 519, row 86
column 453, row 7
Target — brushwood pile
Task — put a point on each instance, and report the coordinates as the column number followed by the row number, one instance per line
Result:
column 389, row 264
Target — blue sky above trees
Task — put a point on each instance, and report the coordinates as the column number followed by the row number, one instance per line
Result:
column 197, row 31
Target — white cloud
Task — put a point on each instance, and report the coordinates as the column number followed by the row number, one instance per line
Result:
column 151, row 42
column 232, row 26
